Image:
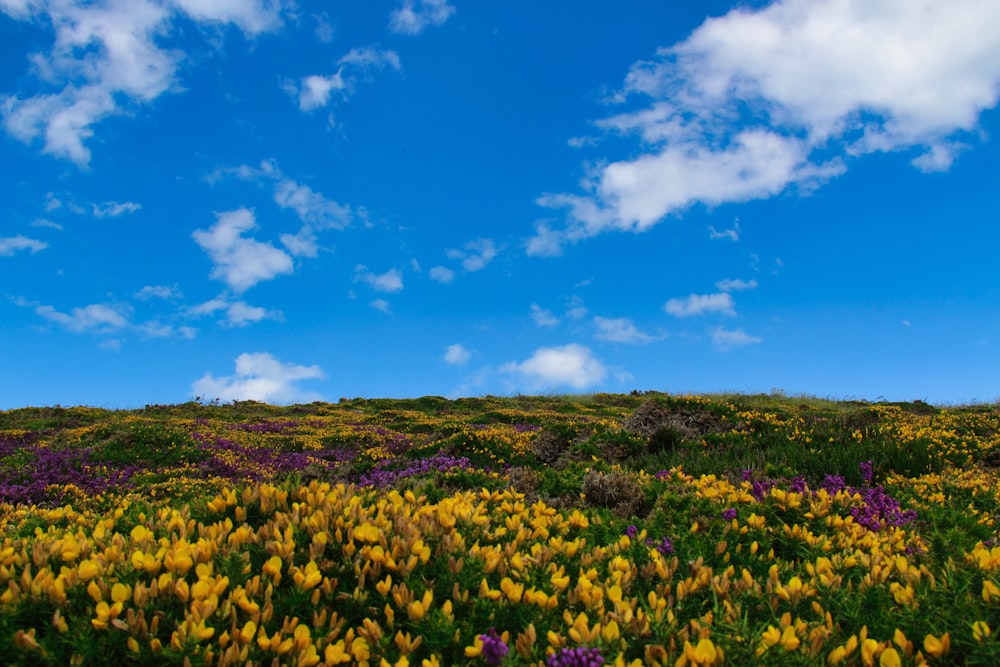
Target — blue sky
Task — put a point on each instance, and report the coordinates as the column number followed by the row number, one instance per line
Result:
column 295, row 201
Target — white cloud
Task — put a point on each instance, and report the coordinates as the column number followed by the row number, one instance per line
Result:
column 96, row 318
column 158, row 292
column 42, row 222
column 726, row 339
column 571, row 365
column 239, row 261
column 728, row 234
column 104, row 55
column 699, row 304
column 543, row 317
column 240, row 314
column 546, row 242
column 619, row 330
column 113, row 209
column 252, row 16
column 11, row 244
column 382, row 306
column 475, row 255
column 441, row 274
column 456, row 355
column 390, row 281
column 733, row 285
column 316, row 212
column 759, row 101
column 311, row 207
column 413, row 16
column 316, row 90
column 260, row 377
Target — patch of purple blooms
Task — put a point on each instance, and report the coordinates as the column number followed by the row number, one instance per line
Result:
column 45, row 470
column 383, row 474
column 494, row 647
column 876, row 507
column 759, row 489
column 632, row 531
column 729, row 513
column 265, row 427
column 580, row 656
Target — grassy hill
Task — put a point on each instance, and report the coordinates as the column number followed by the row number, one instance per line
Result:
column 605, row 529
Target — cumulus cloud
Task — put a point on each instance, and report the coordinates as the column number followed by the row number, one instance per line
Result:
column 727, row 339
column 571, row 365
column 113, row 209
column 104, row 56
column 456, row 355
column 474, row 255
column 619, row 330
column 441, row 274
column 756, row 102
column 240, row 262
column 11, row 244
column 414, row 16
column 390, row 281
column 316, row 212
column 700, row 304
column 260, row 377
column 315, row 91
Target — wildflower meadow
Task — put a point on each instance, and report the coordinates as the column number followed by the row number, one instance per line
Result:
column 641, row 529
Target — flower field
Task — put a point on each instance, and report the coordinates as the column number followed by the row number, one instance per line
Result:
column 643, row 529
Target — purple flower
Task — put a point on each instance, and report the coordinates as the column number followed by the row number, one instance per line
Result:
column 632, row 531
column 494, row 648
column 581, row 656
column 666, row 546
column 729, row 513
column 866, row 472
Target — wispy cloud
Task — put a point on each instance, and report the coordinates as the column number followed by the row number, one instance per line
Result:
column 315, row 91
column 164, row 292
column 474, row 255
column 733, row 285
column 727, row 234
column 571, row 365
column 100, row 318
column 727, row 339
column 620, row 330
column 103, row 55
column 700, row 304
column 240, row 262
column 457, row 355
column 441, row 274
column 11, row 244
column 236, row 314
column 756, row 102
column 113, row 209
column 260, row 377
column 414, row 16
column 382, row 306
column 390, row 281
column 543, row 317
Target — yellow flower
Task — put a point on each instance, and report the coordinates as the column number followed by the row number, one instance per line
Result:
column 980, row 631
column 88, row 569
column 990, row 591
column 937, row 647
column 890, row 658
